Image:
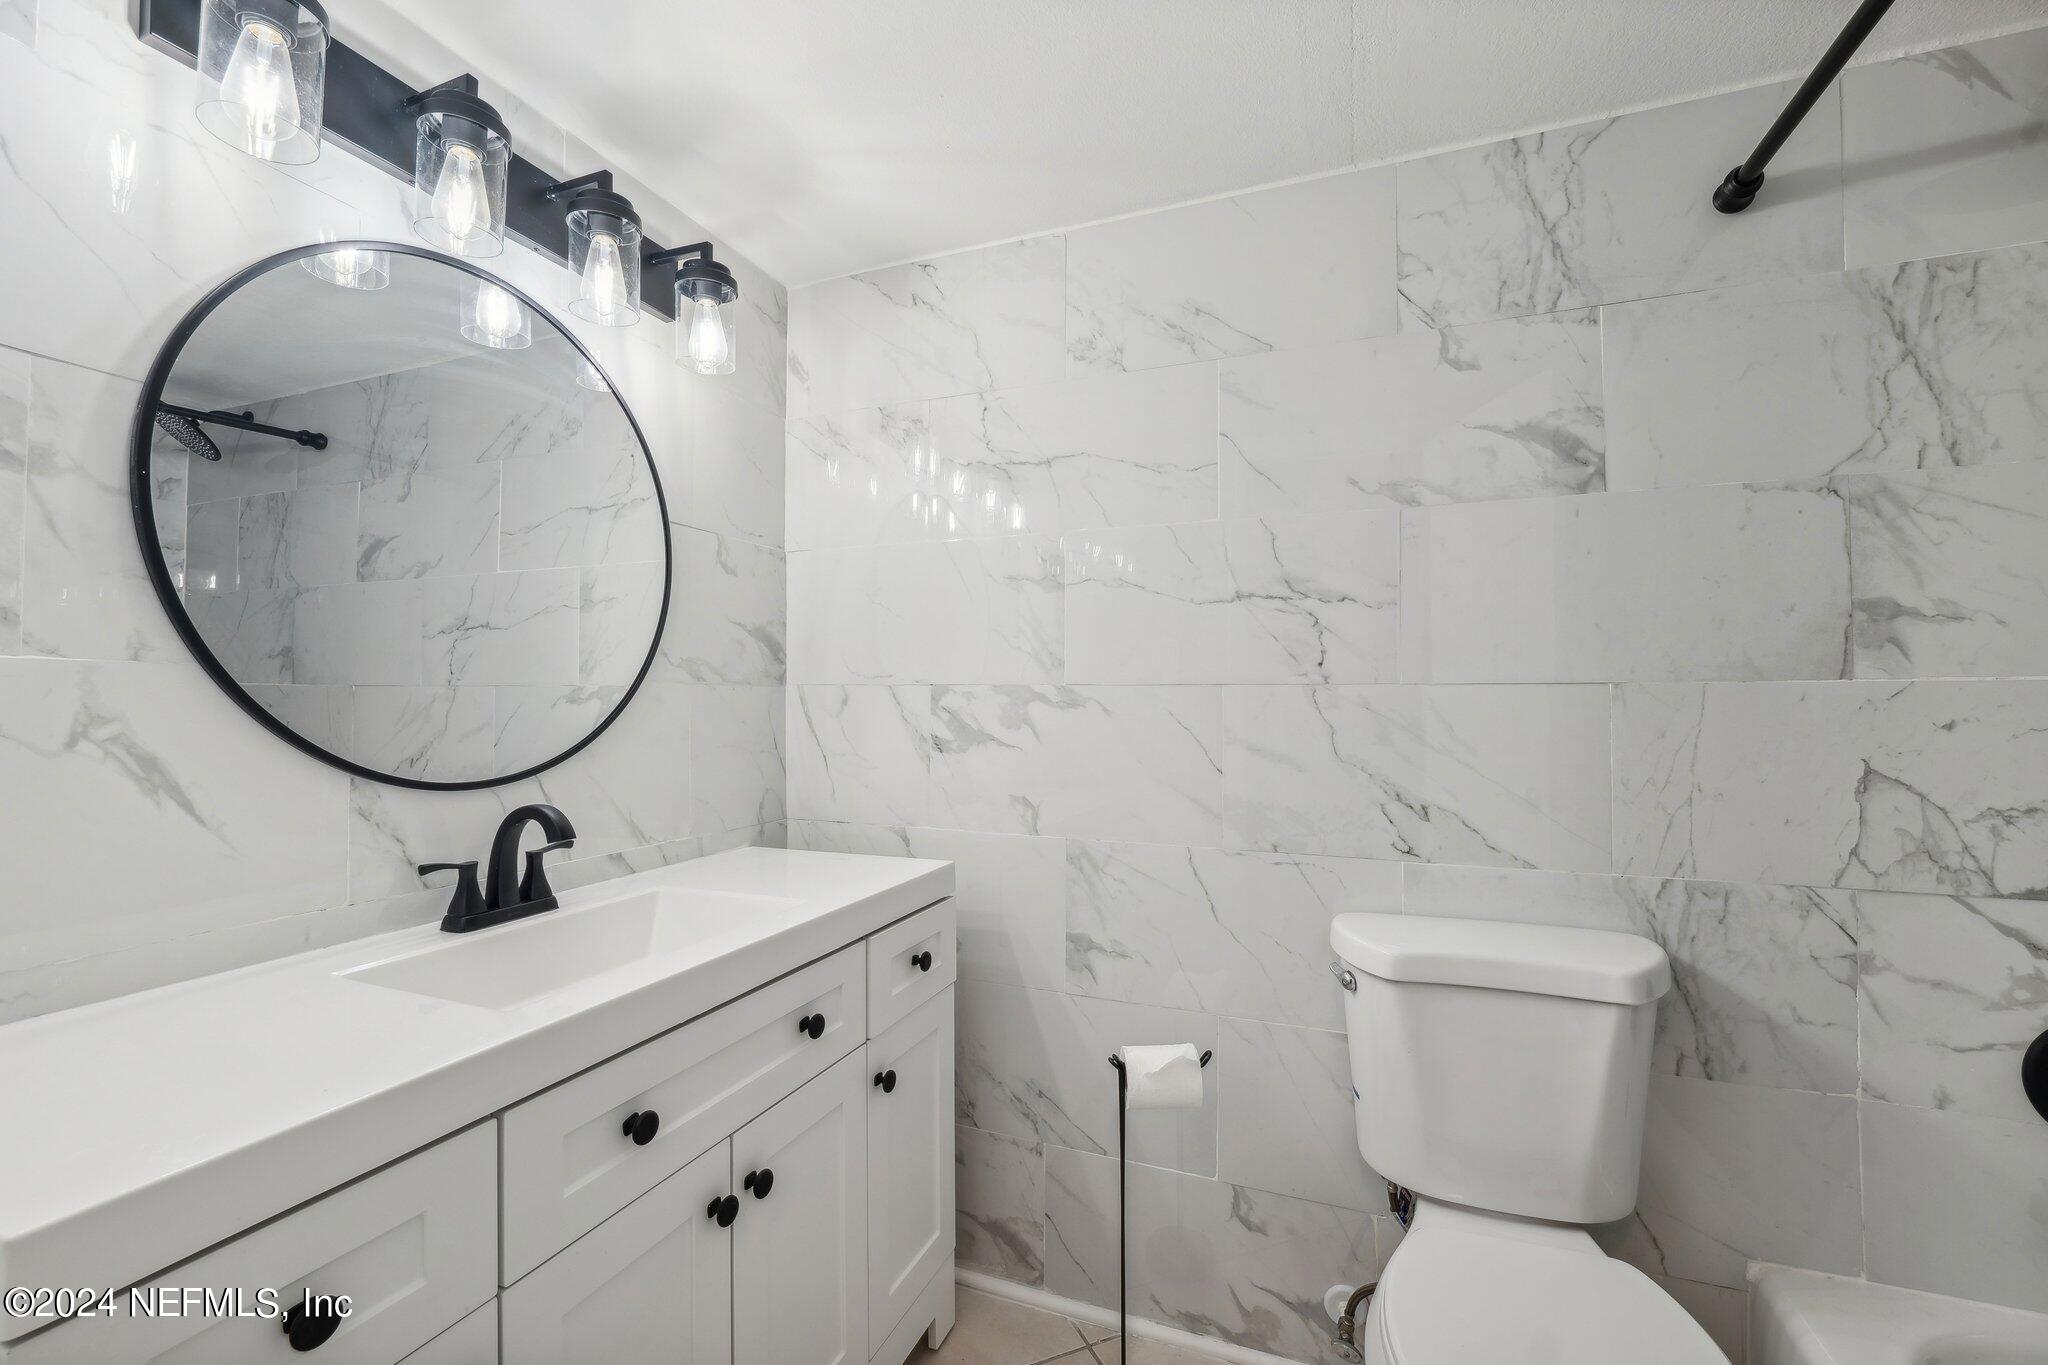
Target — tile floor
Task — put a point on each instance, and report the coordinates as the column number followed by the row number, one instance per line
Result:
column 993, row 1331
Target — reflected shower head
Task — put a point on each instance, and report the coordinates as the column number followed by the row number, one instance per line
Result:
column 187, row 433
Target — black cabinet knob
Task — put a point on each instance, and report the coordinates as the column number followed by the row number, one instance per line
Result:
column 886, row 1082
column 812, row 1025
column 723, row 1210
column 641, row 1126
column 307, row 1328
column 922, row 961
column 2034, row 1075
column 759, row 1183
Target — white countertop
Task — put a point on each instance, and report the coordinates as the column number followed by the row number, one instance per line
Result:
column 138, row 1131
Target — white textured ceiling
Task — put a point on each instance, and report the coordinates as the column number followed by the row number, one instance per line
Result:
column 820, row 137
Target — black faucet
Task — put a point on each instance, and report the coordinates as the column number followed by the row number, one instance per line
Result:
column 507, row 895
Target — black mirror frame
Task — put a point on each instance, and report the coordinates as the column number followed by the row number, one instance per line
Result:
column 141, row 437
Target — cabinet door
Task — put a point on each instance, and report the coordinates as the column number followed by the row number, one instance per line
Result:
column 651, row 1283
column 800, row 1264
column 910, row 1161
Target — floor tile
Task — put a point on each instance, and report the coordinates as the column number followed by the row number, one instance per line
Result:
column 993, row 1331
column 1145, row 1352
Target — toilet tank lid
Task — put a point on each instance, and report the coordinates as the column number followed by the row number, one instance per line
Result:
column 1542, row 959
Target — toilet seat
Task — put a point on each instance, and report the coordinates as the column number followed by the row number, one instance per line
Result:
column 1459, row 1290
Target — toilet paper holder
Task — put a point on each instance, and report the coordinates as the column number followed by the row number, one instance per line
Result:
column 1123, row 1309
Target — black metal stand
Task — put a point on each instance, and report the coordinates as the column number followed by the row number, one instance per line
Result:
column 1123, row 1222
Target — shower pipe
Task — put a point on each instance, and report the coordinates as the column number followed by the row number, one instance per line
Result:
column 246, row 422
column 1738, row 191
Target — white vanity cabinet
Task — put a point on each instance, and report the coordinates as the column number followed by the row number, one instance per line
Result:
column 910, row 1161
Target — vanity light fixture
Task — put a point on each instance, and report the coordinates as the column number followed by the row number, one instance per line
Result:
column 492, row 317
column 705, row 293
column 351, row 267
column 458, row 174
column 604, row 249
column 592, row 378
column 262, row 68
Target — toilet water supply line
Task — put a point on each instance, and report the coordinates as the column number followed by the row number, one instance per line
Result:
column 1400, row 1203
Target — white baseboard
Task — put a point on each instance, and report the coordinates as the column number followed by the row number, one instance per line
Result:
column 1106, row 1317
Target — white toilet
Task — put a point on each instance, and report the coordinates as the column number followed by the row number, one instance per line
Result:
column 1500, row 1072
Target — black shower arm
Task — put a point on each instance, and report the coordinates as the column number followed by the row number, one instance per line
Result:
column 1738, row 191
column 246, row 422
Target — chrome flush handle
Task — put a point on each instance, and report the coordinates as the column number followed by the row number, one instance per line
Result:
column 1344, row 977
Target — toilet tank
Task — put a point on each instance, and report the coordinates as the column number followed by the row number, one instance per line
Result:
column 1502, row 1066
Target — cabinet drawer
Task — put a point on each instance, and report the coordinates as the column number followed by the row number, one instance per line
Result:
column 473, row 1341
column 569, row 1161
column 410, row 1246
column 900, row 976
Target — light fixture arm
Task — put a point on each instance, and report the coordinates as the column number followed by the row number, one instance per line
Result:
column 566, row 189
column 677, row 254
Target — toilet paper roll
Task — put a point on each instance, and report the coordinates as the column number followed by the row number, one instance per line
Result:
column 1166, row 1076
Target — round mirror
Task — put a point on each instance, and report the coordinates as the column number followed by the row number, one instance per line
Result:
column 399, row 514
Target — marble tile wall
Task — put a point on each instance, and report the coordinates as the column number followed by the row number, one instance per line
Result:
column 1504, row 535
column 151, row 832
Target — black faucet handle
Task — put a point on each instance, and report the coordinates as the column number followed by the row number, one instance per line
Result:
column 468, row 900
column 534, row 885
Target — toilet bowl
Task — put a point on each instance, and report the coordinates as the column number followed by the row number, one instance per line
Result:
column 1500, row 1072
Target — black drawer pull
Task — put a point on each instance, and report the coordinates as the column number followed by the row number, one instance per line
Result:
column 307, row 1328
column 759, row 1182
column 723, row 1209
column 641, row 1126
column 886, row 1082
column 922, row 961
column 811, row 1025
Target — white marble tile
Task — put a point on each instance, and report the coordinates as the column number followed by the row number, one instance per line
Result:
column 1000, row 1183
column 618, row 621
column 1093, row 762
column 635, row 785
column 1035, row 1065
column 429, row 734
column 1100, row 450
column 1206, row 1256
column 1010, row 899
column 861, row 754
column 1244, row 934
column 392, row 830
column 1295, row 265
column 1500, row 776
column 249, row 630
column 1764, row 978
column 1956, row 1204
column 501, row 629
column 599, row 508
column 737, row 489
column 18, row 21
column 215, row 821
column 302, row 539
column 736, row 765
column 1951, row 572
column 535, row 724
column 1284, row 599
column 320, row 715
column 983, row 319
column 14, row 449
column 366, row 634
column 1735, row 1173
column 1922, row 366
column 1953, row 992
column 429, row 524
column 1509, row 409
column 1613, row 210
column 1707, row 583
column 1942, row 151
column 212, row 545
column 1929, row 786
column 953, row 611
column 850, row 477
column 725, row 618
column 1286, row 1122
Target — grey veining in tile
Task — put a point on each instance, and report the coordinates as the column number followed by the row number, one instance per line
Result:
column 1927, row 786
column 429, row 524
column 1243, row 934
column 736, row 756
column 1285, row 1115
column 1496, row 410
column 429, row 734
column 501, row 629
column 1285, row 599
column 860, row 753
column 726, row 611
column 1943, row 151
column 1500, row 776
column 1010, row 897
column 302, row 539
column 1001, row 1195
column 14, row 410
column 1951, row 572
column 1953, row 992
column 1613, row 210
column 1920, row 366
column 1764, row 979
column 1148, row 290
column 1709, row 583
column 851, row 475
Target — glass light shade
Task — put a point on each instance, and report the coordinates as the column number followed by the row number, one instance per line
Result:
column 604, row 253
column 492, row 317
column 262, row 76
column 459, row 186
column 351, row 267
column 592, row 378
column 705, row 336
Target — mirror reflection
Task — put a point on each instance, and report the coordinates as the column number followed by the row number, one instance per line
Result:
column 407, row 517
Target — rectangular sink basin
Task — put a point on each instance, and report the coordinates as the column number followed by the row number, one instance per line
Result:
column 511, row 964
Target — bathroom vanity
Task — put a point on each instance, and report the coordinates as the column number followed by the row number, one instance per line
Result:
column 709, row 1106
